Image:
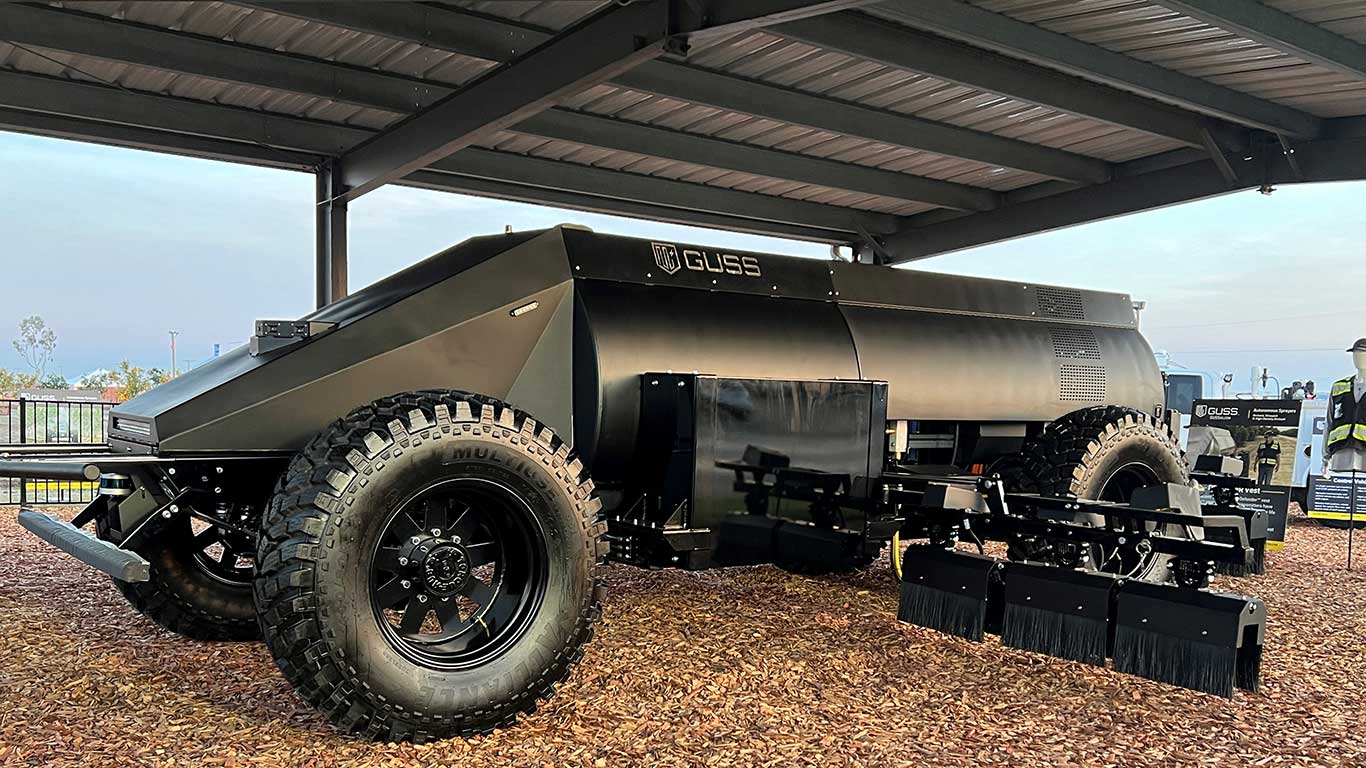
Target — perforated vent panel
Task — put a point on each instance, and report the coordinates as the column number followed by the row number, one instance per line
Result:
column 1064, row 303
column 1075, row 343
column 1081, row 383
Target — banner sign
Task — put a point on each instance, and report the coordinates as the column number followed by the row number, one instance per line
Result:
column 1330, row 498
column 1280, row 414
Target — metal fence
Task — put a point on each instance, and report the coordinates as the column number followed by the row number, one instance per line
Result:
column 36, row 424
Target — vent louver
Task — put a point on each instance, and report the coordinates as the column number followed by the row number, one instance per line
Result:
column 1075, row 343
column 1084, row 383
column 1063, row 303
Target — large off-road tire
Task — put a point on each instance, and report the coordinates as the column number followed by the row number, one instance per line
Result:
column 1103, row 453
column 188, row 592
column 366, row 531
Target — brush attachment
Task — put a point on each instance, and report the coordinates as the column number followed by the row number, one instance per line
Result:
column 1058, row 612
column 948, row 591
column 1207, row 641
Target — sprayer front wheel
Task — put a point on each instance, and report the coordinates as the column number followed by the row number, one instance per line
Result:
column 428, row 567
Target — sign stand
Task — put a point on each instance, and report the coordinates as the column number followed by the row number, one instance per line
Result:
column 1351, row 519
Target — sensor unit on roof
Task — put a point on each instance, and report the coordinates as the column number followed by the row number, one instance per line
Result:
column 277, row 334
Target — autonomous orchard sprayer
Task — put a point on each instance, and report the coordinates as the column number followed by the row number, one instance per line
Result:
column 408, row 492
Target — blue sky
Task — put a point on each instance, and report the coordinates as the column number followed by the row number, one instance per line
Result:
column 115, row 247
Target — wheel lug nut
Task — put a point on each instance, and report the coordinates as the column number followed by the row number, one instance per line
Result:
column 455, row 539
column 436, row 531
column 422, row 598
column 406, row 584
column 403, row 561
column 417, row 539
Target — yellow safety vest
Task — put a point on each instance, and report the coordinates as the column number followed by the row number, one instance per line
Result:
column 1349, row 420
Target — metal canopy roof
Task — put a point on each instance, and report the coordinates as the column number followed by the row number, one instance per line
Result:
column 907, row 128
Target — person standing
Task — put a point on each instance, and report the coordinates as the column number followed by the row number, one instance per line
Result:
column 1268, row 458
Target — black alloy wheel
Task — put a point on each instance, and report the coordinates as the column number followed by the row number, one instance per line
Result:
column 457, row 572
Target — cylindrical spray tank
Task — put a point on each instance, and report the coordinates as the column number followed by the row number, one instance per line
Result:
column 950, row 348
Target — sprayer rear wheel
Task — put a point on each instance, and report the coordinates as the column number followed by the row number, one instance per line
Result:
column 1104, row 453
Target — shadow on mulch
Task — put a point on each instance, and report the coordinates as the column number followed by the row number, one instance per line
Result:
column 748, row 666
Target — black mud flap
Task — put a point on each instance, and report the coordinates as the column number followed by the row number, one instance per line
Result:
column 1058, row 612
column 1257, row 530
column 745, row 540
column 1208, row 641
column 958, row 593
column 801, row 543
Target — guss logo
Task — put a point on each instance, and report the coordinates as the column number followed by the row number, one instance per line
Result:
column 666, row 257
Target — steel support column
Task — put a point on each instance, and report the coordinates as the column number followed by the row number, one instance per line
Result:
column 330, row 239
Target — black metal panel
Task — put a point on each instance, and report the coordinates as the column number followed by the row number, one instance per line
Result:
column 960, row 367
column 682, row 265
column 817, row 425
column 431, row 325
column 629, row 329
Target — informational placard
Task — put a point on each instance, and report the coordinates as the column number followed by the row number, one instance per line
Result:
column 1263, row 433
column 1272, row 501
column 1247, row 413
column 1330, row 498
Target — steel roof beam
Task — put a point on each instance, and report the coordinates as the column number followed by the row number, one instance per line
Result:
column 720, row 19
column 790, row 106
column 598, row 131
column 553, row 174
column 1122, row 196
column 594, row 50
column 639, row 209
column 210, row 57
column 265, row 131
column 153, row 140
column 46, row 105
column 442, row 29
column 895, row 46
column 1145, row 184
column 143, row 45
column 1034, row 44
column 1279, row 30
column 601, row 47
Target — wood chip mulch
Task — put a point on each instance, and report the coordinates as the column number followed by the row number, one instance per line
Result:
column 748, row 667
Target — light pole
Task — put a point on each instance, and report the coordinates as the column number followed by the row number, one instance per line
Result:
column 173, row 335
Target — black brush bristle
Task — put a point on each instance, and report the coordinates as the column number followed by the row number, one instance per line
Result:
column 942, row 611
column 1256, row 567
column 1076, row 638
column 1249, row 672
column 1231, row 569
column 1166, row 659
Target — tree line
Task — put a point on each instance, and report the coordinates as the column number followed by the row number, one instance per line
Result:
column 37, row 347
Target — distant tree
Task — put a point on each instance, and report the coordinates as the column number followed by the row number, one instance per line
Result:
column 35, row 344
column 132, row 380
column 95, row 380
column 55, row 381
column 13, row 381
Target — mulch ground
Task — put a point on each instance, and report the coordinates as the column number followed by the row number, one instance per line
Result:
column 725, row 668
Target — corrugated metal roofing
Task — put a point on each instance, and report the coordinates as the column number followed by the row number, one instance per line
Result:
column 837, row 80
column 1152, row 33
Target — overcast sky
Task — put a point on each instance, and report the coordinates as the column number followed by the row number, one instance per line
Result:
column 115, row 247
